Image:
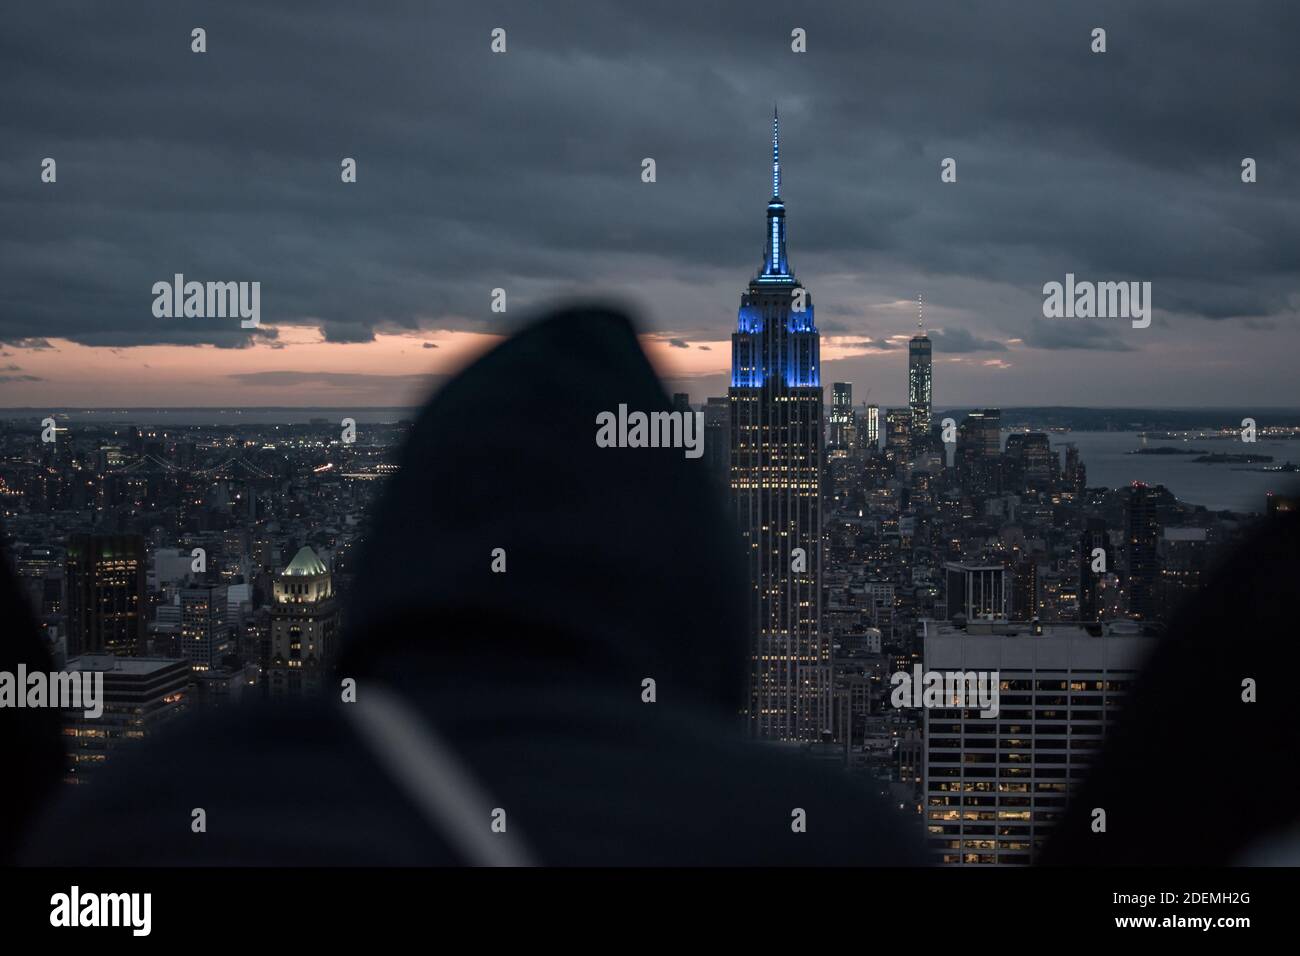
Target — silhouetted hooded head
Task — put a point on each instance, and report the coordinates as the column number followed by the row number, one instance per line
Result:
column 619, row 563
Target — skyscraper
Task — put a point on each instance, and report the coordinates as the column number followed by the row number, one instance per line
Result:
column 204, row 633
column 776, row 428
column 1075, row 478
column 977, row 592
column 141, row 695
column 898, row 436
column 995, row 788
column 304, row 622
column 1142, row 535
column 842, row 419
column 1093, row 537
column 105, row 577
column 717, row 439
column 979, row 452
column 919, row 379
column 1030, row 463
column 1184, row 555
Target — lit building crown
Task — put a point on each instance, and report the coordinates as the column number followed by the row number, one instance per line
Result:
column 305, row 562
column 777, row 339
column 776, row 266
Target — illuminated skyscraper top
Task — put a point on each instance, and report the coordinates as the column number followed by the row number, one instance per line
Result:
column 776, row 267
column 919, row 375
column 777, row 337
column 776, row 153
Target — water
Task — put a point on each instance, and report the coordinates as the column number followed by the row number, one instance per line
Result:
column 1217, row 487
column 163, row 417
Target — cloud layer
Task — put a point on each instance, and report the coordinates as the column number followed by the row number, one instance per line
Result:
column 522, row 171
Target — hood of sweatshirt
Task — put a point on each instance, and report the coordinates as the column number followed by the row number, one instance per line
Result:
column 512, row 539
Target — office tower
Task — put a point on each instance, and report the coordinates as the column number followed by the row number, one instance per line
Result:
column 717, row 439
column 105, row 577
column 681, row 402
column 1024, row 589
column 872, row 432
column 141, row 694
column 977, row 591
column 841, row 418
column 1183, row 558
column 979, row 452
column 898, row 436
column 995, row 786
column 1142, row 534
column 1058, row 597
column 919, row 379
column 40, row 571
column 776, row 429
column 304, row 624
column 1093, row 537
column 1075, row 478
column 1031, row 464
column 205, row 636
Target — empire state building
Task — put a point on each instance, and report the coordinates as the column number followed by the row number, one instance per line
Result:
column 776, row 449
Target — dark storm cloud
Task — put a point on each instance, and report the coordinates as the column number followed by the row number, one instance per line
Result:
column 678, row 344
column 522, row 171
column 879, row 345
column 335, row 331
column 961, row 340
column 1074, row 334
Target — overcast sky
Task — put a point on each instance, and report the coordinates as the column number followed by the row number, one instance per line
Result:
column 523, row 171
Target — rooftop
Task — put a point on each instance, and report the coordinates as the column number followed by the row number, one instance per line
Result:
column 305, row 562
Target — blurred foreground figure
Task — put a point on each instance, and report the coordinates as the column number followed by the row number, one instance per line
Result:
column 491, row 701
column 30, row 751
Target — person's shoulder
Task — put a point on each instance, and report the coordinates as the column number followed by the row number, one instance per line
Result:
column 257, row 784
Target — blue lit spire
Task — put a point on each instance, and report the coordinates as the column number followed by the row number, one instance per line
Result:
column 776, row 268
column 776, row 343
column 776, row 154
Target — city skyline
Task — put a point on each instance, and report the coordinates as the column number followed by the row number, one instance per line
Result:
column 412, row 457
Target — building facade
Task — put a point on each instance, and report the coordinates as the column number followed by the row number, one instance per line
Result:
column 141, row 695
column 776, row 459
column 1142, row 538
column 919, row 383
column 996, row 786
column 978, row 457
column 843, row 420
column 304, row 628
column 205, row 634
column 105, row 580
